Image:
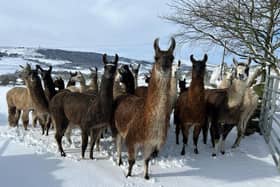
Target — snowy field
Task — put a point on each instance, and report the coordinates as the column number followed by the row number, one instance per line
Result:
column 29, row 159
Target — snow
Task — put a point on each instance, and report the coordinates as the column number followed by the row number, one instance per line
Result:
column 21, row 51
column 49, row 61
column 10, row 65
column 31, row 159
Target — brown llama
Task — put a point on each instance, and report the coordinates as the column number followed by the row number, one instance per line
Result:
column 91, row 112
column 18, row 100
column 37, row 95
column 191, row 107
column 145, row 121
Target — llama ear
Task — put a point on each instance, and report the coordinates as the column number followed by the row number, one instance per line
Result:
column 205, row 58
column 249, row 61
column 138, row 66
column 21, row 66
column 235, row 62
column 50, row 69
column 156, row 47
column 173, row 45
column 192, row 59
column 179, row 63
column 104, row 58
column 116, row 58
column 96, row 69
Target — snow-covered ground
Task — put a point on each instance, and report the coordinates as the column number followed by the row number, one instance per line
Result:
column 29, row 159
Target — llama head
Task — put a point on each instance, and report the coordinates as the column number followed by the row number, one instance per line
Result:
column 241, row 69
column 110, row 67
column 79, row 77
column 164, row 59
column 147, row 77
column 59, row 83
column 44, row 73
column 198, row 66
column 125, row 75
column 93, row 72
column 182, row 84
column 135, row 68
column 28, row 74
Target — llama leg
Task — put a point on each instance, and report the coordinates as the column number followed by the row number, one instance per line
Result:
column 11, row 116
column 34, row 118
column 119, row 149
column 196, row 133
column 84, row 142
column 25, row 118
column 185, row 131
column 131, row 158
column 238, row 138
column 68, row 134
column 148, row 152
column 226, row 130
column 48, row 124
column 17, row 116
column 58, row 137
column 42, row 123
column 177, row 128
column 98, row 141
column 94, row 134
column 216, row 136
column 205, row 131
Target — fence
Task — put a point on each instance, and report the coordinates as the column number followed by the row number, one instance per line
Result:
column 270, row 117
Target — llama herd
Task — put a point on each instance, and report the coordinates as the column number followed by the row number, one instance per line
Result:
column 137, row 116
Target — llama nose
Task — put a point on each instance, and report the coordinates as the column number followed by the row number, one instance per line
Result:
column 241, row 76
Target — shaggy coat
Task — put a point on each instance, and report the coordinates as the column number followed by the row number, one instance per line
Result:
column 144, row 121
column 92, row 113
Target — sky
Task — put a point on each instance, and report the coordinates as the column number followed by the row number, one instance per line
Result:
column 126, row 27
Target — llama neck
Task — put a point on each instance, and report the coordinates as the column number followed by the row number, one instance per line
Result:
column 173, row 89
column 135, row 75
column 105, row 97
column 93, row 84
column 225, row 83
column 49, row 88
column 157, row 104
column 83, row 85
column 236, row 93
column 37, row 96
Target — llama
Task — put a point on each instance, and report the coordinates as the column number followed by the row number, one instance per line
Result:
column 93, row 84
column 59, row 83
column 18, row 100
column 145, row 121
column 135, row 71
column 71, row 82
column 37, row 95
column 229, row 112
column 191, row 107
column 48, row 82
column 91, row 112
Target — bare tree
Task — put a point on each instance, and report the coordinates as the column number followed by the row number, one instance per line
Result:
column 244, row 27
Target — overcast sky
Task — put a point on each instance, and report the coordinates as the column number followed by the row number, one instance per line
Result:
column 127, row 27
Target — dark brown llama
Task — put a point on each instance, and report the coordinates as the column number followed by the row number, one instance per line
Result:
column 92, row 113
column 48, row 82
column 145, row 121
column 59, row 83
column 191, row 107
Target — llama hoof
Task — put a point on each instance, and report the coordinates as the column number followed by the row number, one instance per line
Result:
column 223, row 152
column 120, row 163
column 214, row 154
column 128, row 175
column 63, row 154
column 196, row 151
column 147, row 177
column 183, row 152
